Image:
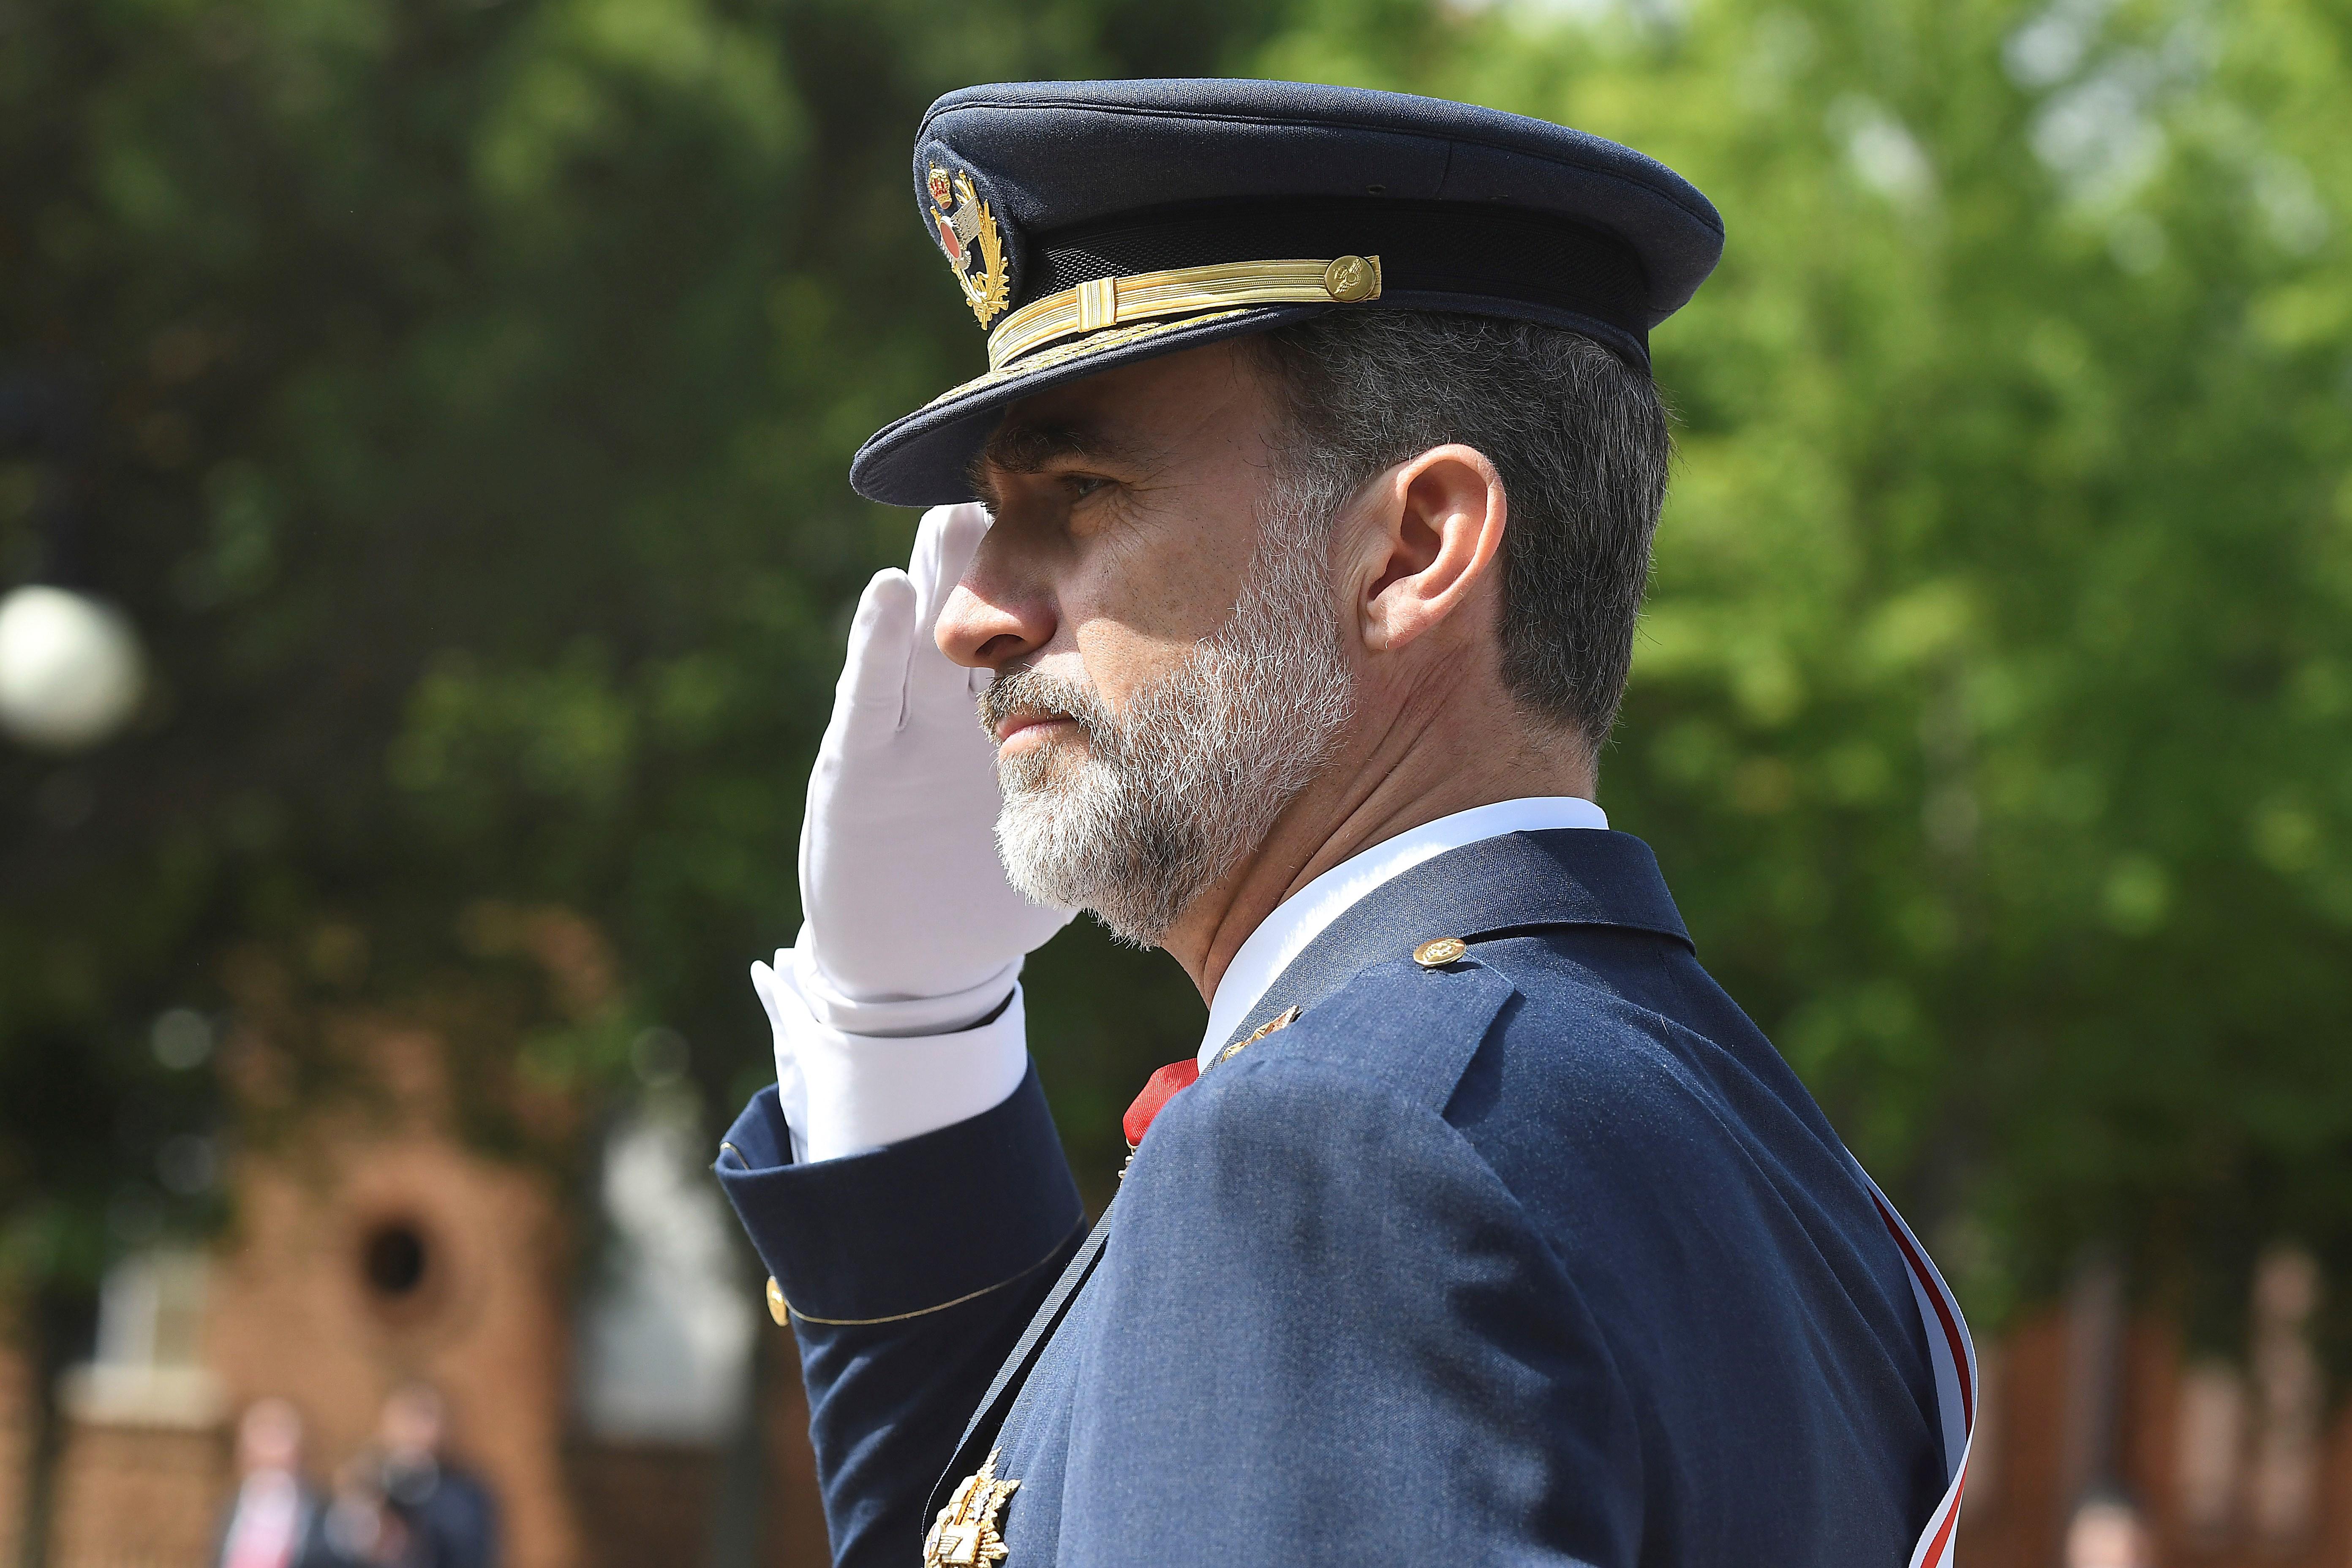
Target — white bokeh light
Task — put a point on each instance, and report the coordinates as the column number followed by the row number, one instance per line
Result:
column 70, row 669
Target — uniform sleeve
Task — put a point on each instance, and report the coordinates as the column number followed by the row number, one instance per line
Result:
column 909, row 1272
column 1341, row 1341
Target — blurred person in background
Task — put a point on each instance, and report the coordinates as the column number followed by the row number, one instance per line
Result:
column 2107, row 1531
column 447, row 1516
column 277, row 1520
column 364, row 1530
column 401, row 1504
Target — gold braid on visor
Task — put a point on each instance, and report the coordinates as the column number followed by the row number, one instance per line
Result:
column 1107, row 301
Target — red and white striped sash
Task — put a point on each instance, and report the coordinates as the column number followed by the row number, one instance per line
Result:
column 1954, row 1359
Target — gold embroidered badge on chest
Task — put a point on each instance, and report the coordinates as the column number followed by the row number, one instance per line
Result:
column 973, row 243
column 965, row 1535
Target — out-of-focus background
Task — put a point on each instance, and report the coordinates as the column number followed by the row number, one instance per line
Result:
column 423, row 430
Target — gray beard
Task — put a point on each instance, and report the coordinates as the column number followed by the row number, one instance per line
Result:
column 1172, row 795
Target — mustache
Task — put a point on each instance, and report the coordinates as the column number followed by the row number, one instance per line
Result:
column 1017, row 689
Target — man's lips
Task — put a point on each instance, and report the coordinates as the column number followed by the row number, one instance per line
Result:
column 1018, row 723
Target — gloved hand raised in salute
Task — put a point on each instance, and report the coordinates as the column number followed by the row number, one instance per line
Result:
column 899, row 879
column 910, row 928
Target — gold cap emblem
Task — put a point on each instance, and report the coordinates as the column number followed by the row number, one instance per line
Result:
column 973, row 244
column 965, row 1534
column 777, row 1306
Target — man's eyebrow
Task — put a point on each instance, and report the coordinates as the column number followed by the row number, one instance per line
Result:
column 1032, row 448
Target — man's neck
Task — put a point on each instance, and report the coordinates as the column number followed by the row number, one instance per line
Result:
column 1428, row 761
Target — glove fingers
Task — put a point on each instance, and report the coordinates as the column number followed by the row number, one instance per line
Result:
column 881, row 637
column 894, row 663
column 944, row 546
column 944, row 543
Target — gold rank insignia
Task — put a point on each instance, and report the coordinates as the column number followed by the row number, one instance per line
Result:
column 1282, row 1020
column 965, row 1535
column 974, row 246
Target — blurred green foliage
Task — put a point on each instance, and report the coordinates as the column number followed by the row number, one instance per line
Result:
column 473, row 389
column 475, row 384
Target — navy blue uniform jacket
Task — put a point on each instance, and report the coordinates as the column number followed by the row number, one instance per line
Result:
column 1543, row 1256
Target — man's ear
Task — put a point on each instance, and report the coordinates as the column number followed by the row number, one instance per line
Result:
column 1431, row 530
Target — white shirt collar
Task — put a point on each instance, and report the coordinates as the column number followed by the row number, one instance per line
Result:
column 1301, row 917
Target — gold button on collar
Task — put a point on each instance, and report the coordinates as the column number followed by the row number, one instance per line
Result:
column 1439, row 952
column 776, row 1307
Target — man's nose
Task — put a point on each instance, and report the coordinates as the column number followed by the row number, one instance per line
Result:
column 988, row 621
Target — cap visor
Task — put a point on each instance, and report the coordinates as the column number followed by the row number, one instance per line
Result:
column 924, row 458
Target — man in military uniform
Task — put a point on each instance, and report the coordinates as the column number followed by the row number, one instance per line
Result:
column 1318, row 458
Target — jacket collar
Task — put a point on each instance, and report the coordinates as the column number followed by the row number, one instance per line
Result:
column 1513, row 883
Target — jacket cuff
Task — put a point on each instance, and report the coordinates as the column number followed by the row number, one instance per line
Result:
column 845, row 1094
column 908, row 1229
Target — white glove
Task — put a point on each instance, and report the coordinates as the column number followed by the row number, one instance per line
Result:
column 904, row 896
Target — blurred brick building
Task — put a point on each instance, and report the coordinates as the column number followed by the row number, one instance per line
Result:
column 599, row 1385
column 2103, row 1443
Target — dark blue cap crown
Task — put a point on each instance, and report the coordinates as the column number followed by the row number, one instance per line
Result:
column 1093, row 224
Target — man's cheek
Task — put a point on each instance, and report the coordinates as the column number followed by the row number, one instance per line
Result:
column 1173, row 584
column 1122, row 662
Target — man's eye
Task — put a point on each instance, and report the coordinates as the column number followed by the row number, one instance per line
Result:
column 1080, row 486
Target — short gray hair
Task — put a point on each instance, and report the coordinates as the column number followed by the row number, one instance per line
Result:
column 1577, row 434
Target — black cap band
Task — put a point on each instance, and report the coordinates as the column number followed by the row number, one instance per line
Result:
column 1426, row 248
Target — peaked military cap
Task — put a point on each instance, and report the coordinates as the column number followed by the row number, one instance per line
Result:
column 1092, row 224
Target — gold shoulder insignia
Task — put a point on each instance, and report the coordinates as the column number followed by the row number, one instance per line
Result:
column 965, row 1535
column 1282, row 1020
column 972, row 242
